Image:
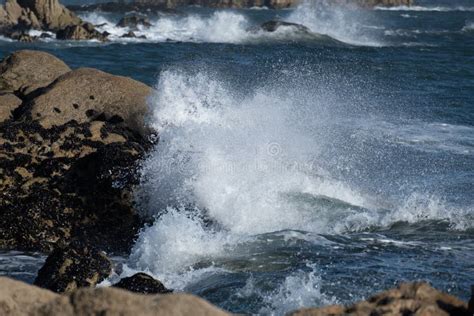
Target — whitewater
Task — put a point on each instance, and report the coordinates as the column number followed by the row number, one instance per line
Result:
column 298, row 169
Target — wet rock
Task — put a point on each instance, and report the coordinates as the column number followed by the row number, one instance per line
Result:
column 8, row 103
column 133, row 21
column 407, row 299
column 272, row 26
column 20, row 299
column 142, row 283
column 85, row 31
column 23, row 37
column 130, row 34
column 25, row 71
column 78, row 265
column 99, row 94
column 74, row 177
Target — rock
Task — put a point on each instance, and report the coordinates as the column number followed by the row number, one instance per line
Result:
column 23, row 37
column 77, row 265
column 72, row 179
column 272, row 26
column 20, row 299
column 98, row 95
column 8, row 103
column 133, row 21
column 82, row 32
column 50, row 14
column 25, row 71
column 142, row 283
column 407, row 299
column 130, row 34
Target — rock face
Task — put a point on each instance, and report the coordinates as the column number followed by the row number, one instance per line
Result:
column 142, row 283
column 27, row 70
column 86, row 95
column 20, row 299
column 8, row 103
column 69, row 172
column 408, row 299
column 77, row 265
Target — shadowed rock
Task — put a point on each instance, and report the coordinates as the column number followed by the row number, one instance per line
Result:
column 133, row 21
column 77, row 265
column 142, row 283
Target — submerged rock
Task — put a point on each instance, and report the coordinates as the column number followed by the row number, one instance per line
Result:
column 272, row 26
column 77, row 265
column 20, row 299
column 68, row 155
column 142, row 283
column 133, row 21
column 25, row 71
column 407, row 299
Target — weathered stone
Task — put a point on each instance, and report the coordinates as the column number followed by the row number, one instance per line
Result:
column 8, row 103
column 50, row 13
column 82, row 32
column 142, row 283
column 77, row 265
column 25, row 71
column 99, row 96
column 408, row 299
column 133, row 21
column 20, row 299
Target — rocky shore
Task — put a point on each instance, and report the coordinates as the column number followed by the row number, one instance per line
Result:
column 70, row 145
column 53, row 20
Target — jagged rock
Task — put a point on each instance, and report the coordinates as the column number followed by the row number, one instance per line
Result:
column 50, row 13
column 133, row 21
column 20, row 299
column 73, row 179
column 98, row 95
column 23, row 37
column 130, row 34
column 407, row 299
column 8, row 103
column 142, row 283
column 272, row 26
column 25, row 71
column 82, row 32
column 78, row 265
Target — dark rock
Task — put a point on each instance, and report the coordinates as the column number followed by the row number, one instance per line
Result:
column 130, row 34
column 272, row 26
column 142, row 283
column 133, row 21
column 64, row 174
column 85, row 31
column 78, row 265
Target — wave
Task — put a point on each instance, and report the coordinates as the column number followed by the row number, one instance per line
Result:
column 469, row 27
column 422, row 8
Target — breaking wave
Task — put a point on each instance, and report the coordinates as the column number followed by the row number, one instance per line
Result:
column 423, row 8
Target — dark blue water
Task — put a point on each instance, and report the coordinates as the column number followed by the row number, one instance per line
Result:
column 332, row 165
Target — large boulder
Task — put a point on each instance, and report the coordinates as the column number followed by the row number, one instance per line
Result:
column 20, row 299
column 50, row 13
column 77, row 265
column 72, row 179
column 89, row 94
column 80, row 32
column 407, row 299
column 8, row 103
column 142, row 283
column 25, row 71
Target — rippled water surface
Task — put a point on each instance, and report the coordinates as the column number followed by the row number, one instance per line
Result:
column 298, row 169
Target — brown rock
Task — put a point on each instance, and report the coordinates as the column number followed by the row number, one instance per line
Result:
column 19, row 299
column 408, row 299
column 8, row 103
column 50, row 13
column 82, row 32
column 25, row 71
column 98, row 95
column 77, row 265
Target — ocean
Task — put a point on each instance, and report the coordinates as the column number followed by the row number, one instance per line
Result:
column 297, row 169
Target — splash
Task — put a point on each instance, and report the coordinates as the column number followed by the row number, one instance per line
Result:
column 429, row 9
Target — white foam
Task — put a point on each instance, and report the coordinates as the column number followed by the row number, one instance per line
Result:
column 469, row 27
column 423, row 8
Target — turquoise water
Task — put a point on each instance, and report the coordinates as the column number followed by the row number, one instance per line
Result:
column 295, row 169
